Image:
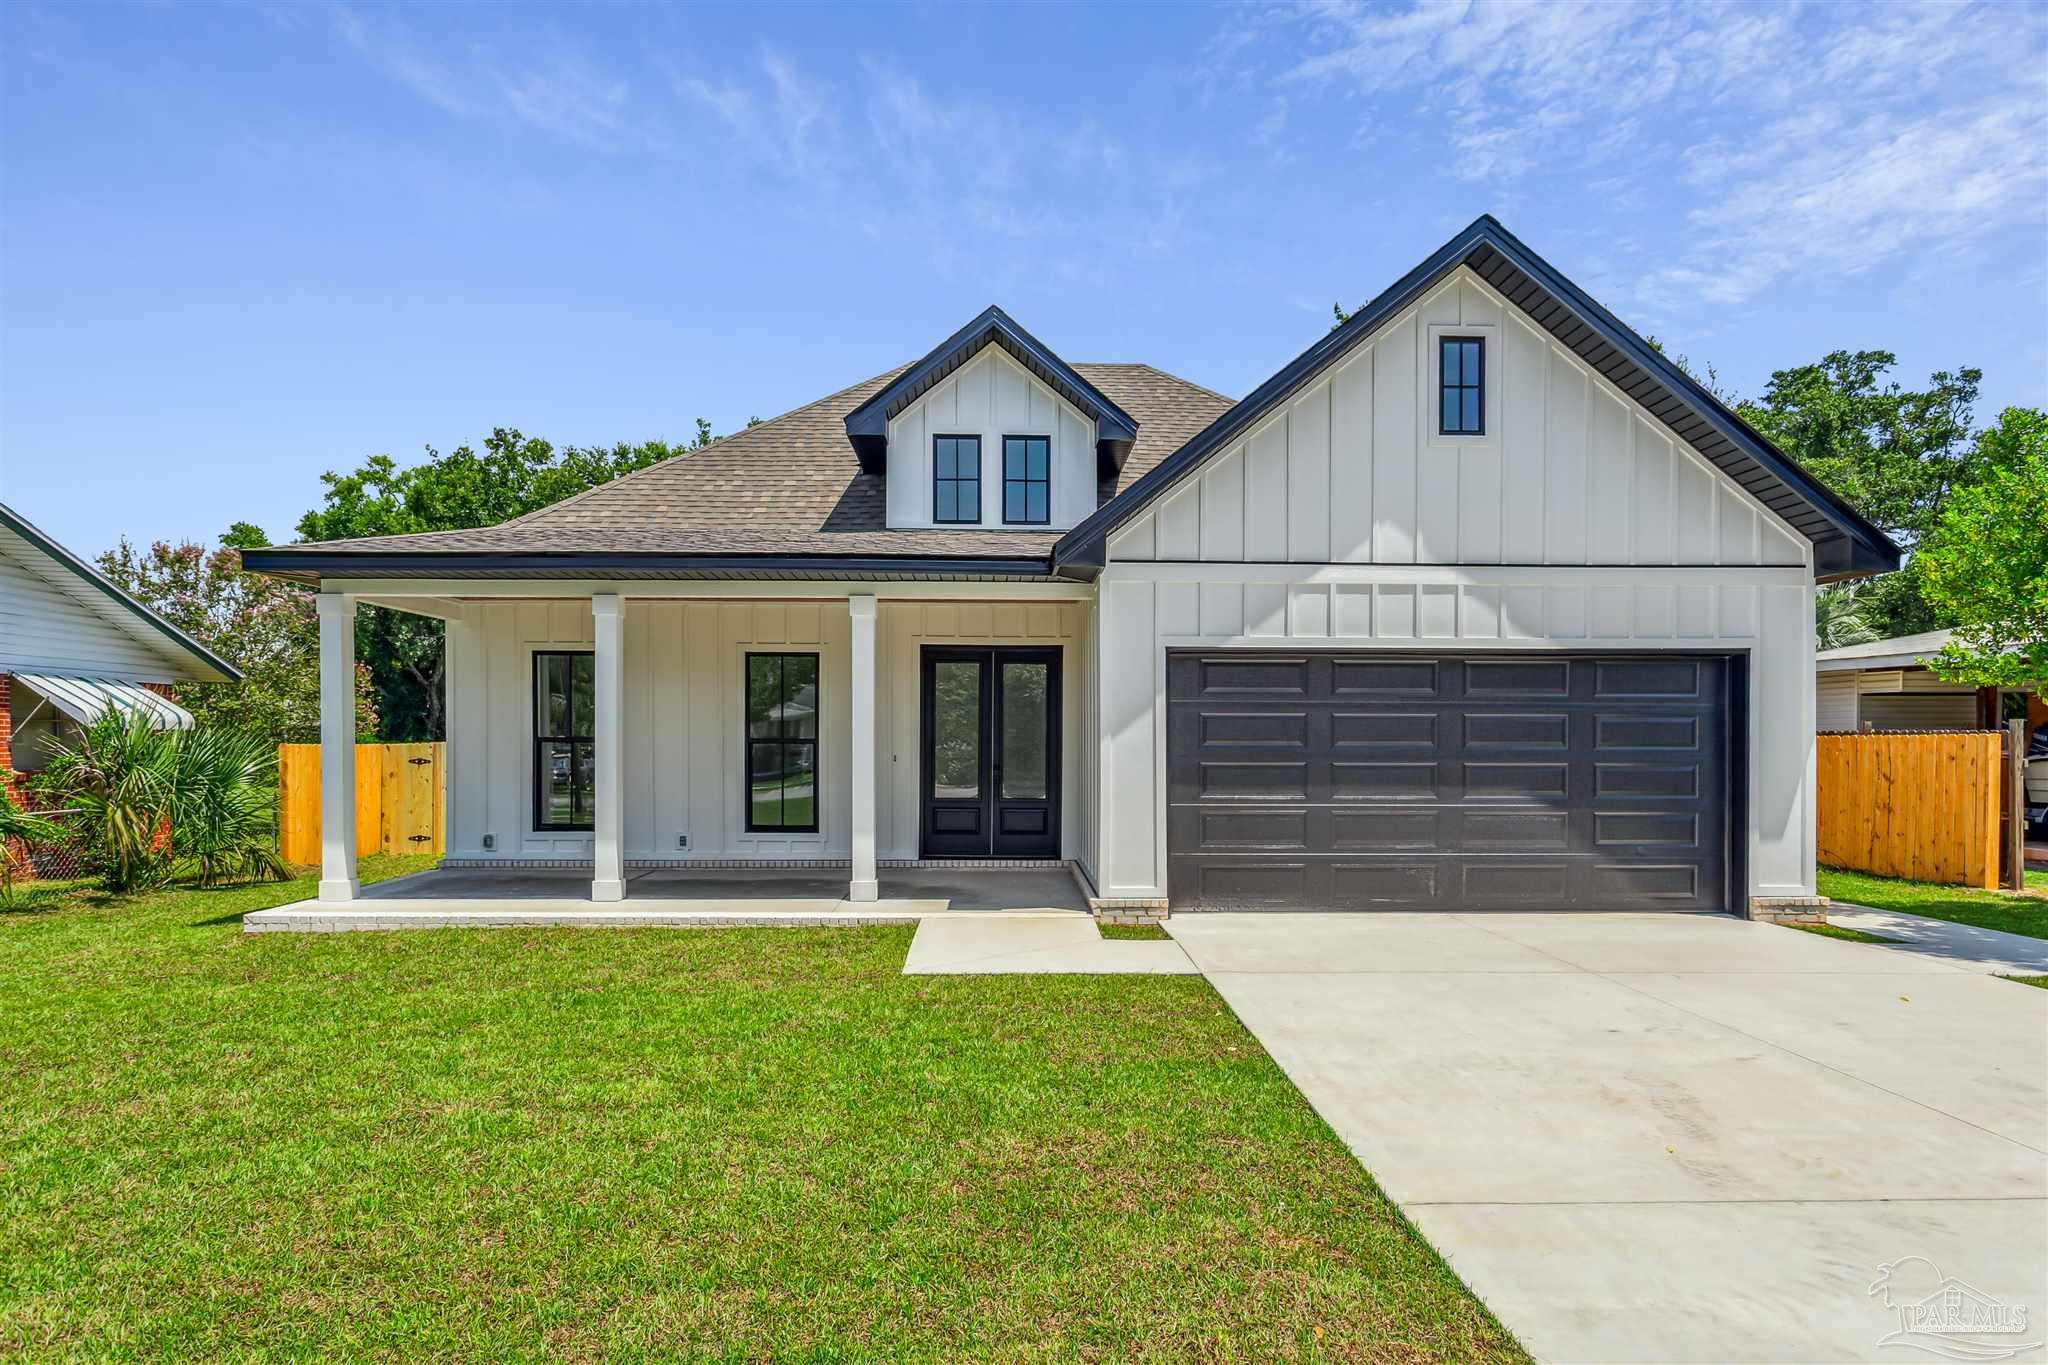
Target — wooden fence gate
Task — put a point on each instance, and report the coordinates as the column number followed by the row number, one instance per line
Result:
column 1921, row 805
column 400, row 792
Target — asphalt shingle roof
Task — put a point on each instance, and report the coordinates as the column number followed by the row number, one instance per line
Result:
column 791, row 485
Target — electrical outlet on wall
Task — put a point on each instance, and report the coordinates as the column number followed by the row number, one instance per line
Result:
column 490, row 842
column 682, row 841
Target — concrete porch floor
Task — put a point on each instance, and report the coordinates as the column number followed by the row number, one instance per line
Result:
column 452, row 897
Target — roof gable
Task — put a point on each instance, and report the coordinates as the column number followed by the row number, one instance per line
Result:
column 867, row 426
column 1844, row 544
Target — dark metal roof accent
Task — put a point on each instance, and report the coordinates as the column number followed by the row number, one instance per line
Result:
column 1844, row 544
column 867, row 426
column 27, row 530
column 304, row 567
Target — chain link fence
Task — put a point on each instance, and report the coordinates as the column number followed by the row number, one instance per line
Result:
column 46, row 869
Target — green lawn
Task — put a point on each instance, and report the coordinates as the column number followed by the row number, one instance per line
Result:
column 2011, row 911
column 1144, row 932
column 747, row 1144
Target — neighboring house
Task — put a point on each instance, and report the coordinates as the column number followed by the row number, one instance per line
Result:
column 1479, row 602
column 1886, row 685
column 73, row 644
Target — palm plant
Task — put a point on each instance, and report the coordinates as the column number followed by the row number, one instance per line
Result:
column 224, row 806
column 143, row 801
column 116, row 778
column 1838, row 620
column 23, row 827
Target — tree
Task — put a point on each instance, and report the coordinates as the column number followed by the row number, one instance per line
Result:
column 1894, row 454
column 512, row 475
column 266, row 628
column 1838, row 619
column 1985, row 565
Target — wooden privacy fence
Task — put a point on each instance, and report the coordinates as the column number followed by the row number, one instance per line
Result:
column 399, row 797
column 1924, row 806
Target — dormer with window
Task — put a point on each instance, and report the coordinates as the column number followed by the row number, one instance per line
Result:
column 991, row 431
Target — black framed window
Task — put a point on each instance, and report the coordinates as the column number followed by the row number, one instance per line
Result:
column 1461, row 386
column 782, row 742
column 1027, row 480
column 564, row 744
column 956, row 479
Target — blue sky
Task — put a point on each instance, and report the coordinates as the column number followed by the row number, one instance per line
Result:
column 240, row 245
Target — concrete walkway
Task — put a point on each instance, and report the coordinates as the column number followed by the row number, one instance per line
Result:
column 1671, row 1138
column 1965, row 945
column 988, row 946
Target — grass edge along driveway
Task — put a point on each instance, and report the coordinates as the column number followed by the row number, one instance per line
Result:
column 2010, row 912
column 748, row 1143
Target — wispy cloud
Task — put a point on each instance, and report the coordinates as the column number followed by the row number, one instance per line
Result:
column 1790, row 138
column 550, row 89
column 886, row 156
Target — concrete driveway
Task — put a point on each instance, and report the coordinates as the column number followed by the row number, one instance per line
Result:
column 1643, row 1137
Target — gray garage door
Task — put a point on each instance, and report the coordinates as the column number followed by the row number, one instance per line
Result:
column 1349, row 782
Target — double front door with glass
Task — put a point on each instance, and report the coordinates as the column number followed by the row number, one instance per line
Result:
column 991, row 772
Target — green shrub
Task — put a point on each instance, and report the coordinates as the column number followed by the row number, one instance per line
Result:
column 115, row 780
column 143, row 801
column 224, row 806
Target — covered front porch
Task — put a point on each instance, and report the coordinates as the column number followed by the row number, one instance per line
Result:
column 780, row 747
column 453, row 897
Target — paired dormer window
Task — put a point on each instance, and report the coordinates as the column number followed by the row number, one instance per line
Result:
column 1027, row 480
column 1461, row 386
column 956, row 480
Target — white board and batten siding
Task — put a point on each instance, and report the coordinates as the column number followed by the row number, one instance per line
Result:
column 991, row 396
column 684, row 680
column 1578, row 522
column 684, row 700
column 50, row 622
column 1351, row 472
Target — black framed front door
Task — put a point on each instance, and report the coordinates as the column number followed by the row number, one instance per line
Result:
column 990, row 753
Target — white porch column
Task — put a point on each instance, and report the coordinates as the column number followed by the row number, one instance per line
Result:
column 337, row 746
column 608, row 875
column 864, row 886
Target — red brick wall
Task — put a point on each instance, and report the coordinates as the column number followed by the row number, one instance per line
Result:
column 9, row 850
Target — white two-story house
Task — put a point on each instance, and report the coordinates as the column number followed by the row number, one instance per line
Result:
column 1479, row 602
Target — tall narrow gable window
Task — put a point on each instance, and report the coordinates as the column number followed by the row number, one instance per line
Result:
column 1027, row 480
column 956, row 480
column 564, row 726
column 1461, row 386
column 782, row 743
